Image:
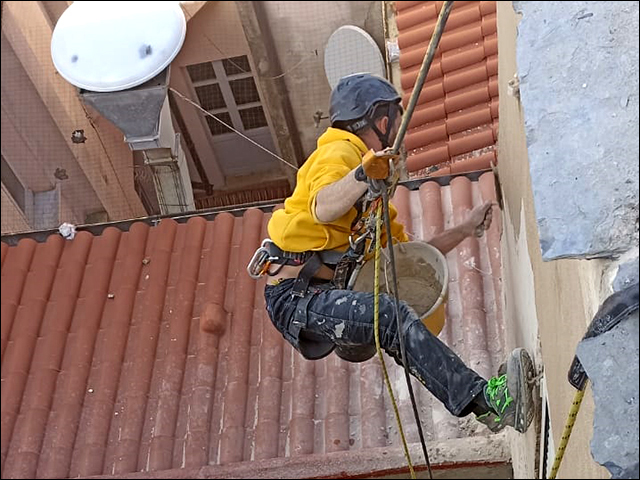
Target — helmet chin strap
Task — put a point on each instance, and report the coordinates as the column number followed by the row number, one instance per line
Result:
column 384, row 137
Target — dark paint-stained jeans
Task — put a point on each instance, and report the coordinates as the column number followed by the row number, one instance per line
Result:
column 345, row 318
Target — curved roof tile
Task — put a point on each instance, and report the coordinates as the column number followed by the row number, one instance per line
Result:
column 461, row 91
column 150, row 350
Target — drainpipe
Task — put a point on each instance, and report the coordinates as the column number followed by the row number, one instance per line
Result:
column 143, row 114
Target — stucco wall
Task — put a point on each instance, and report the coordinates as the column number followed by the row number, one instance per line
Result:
column 35, row 157
column 40, row 110
column 13, row 219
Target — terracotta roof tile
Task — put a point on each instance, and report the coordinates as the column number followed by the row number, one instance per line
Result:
column 408, row 16
column 493, row 86
column 463, row 74
column 462, row 36
column 422, row 32
column 16, row 268
column 466, row 98
column 431, row 92
column 434, row 132
column 450, row 60
column 466, row 165
column 413, row 54
column 469, row 141
column 492, row 65
column 491, row 45
column 409, row 75
column 151, row 350
column 464, row 77
column 463, row 57
column 487, row 7
column 441, row 140
column 469, row 118
column 456, row 82
column 429, row 156
column 494, row 106
column 428, row 112
column 404, row 5
column 489, row 24
column 411, row 13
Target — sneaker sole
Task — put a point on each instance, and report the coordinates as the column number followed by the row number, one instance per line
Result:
column 520, row 372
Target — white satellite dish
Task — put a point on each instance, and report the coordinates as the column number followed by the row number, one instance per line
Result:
column 351, row 50
column 106, row 46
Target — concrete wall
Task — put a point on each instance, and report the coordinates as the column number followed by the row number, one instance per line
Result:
column 301, row 31
column 548, row 305
column 13, row 219
column 578, row 70
column 35, row 157
column 40, row 110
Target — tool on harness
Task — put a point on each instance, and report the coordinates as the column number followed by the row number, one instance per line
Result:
column 348, row 263
column 269, row 254
column 301, row 284
column 361, row 241
column 260, row 262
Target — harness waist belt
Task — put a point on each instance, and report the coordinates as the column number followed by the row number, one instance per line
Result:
column 282, row 257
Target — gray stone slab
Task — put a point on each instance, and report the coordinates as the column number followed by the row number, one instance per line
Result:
column 578, row 69
column 611, row 362
column 627, row 275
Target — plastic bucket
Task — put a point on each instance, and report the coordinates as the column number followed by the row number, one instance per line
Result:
column 423, row 280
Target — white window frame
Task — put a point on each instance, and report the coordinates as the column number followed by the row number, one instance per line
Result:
column 232, row 107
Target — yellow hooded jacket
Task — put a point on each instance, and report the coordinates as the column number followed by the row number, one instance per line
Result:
column 295, row 228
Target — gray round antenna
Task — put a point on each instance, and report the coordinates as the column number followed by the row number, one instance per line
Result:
column 106, row 46
column 351, row 50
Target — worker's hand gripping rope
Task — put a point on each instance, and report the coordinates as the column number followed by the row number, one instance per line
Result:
column 379, row 171
column 379, row 165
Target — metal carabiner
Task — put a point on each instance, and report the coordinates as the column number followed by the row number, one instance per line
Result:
column 354, row 243
column 260, row 261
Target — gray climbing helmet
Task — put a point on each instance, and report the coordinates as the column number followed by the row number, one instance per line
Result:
column 354, row 99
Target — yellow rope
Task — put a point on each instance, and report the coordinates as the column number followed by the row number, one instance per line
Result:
column 566, row 433
column 376, row 328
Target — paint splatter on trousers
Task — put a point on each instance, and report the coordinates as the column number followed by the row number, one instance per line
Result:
column 345, row 318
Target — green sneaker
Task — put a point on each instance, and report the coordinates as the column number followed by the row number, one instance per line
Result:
column 510, row 395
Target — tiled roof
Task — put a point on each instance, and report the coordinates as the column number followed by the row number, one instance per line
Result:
column 454, row 126
column 150, row 350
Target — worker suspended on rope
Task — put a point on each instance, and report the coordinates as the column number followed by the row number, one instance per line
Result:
column 312, row 252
